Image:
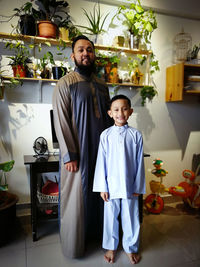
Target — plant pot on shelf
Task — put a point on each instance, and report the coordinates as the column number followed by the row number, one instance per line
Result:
column 63, row 33
column 19, row 71
column 58, row 72
column 27, row 25
column 45, row 74
column 47, row 29
column 7, row 215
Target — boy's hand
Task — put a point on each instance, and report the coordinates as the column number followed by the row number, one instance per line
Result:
column 136, row 194
column 104, row 196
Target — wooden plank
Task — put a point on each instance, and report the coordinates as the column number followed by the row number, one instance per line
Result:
column 38, row 39
column 174, row 83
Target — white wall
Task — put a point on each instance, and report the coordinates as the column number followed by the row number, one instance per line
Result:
column 171, row 131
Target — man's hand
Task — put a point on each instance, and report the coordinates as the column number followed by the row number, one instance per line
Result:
column 136, row 194
column 72, row 166
column 104, row 195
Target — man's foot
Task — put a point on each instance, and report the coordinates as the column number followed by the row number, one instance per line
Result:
column 110, row 256
column 134, row 257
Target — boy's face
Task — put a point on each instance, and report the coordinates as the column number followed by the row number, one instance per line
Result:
column 120, row 111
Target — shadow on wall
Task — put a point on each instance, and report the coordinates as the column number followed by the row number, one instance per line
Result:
column 185, row 117
column 11, row 125
column 195, row 163
column 5, row 137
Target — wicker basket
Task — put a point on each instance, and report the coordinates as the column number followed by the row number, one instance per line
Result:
column 47, row 198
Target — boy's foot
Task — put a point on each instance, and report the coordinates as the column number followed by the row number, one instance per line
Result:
column 110, row 256
column 134, row 257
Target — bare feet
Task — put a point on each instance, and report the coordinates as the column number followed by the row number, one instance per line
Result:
column 110, row 256
column 134, row 257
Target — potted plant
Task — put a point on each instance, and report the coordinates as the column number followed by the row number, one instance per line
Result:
column 42, row 65
column 27, row 19
column 147, row 92
column 95, row 21
column 19, row 60
column 49, row 14
column 109, row 64
column 7, row 203
column 140, row 22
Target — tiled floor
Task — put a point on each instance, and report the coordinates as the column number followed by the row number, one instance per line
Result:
column 169, row 239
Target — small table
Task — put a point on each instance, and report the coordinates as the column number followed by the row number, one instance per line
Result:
column 38, row 165
column 49, row 164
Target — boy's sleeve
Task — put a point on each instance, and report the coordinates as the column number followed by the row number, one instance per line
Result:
column 139, row 185
column 100, row 175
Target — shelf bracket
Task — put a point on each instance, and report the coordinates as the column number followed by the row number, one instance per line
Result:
column 40, row 90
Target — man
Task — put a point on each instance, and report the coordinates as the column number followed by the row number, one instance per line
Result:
column 80, row 104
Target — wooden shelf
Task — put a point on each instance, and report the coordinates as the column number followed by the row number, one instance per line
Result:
column 177, row 76
column 37, row 40
column 193, row 79
column 7, row 78
column 192, row 92
column 192, row 65
column 28, row 79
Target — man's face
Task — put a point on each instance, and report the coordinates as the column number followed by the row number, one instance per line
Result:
column 83, row 54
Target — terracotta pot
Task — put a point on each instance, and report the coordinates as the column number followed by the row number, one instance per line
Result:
column 19, row 71
column 47, row 29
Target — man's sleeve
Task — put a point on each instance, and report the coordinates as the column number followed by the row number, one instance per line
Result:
column 63, row 121
column 100, row 176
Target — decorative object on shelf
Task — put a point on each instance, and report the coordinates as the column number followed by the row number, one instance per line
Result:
column 118, row 41
column 96, row 23
column 20, row 58
column 182, row 45
column 194, row 54
column 137, row 76
column 40, row 146
column 7, row 204
column 147, row 92
column 49, row 13
column 140, row 22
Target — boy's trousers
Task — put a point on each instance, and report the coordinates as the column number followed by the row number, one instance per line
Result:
column 130, row 224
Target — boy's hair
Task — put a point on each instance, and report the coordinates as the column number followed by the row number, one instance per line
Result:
column 116, row 97
column 81, row 37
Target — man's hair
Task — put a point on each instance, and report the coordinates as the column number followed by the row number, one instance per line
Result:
column 80, row 37
column 116, row 97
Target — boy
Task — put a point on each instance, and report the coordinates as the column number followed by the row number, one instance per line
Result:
column 119, row 176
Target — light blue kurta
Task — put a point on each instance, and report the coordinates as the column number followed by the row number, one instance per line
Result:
column 120, row 164
column 120, row 172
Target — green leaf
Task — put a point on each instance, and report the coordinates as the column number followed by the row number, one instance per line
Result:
column 7, row 166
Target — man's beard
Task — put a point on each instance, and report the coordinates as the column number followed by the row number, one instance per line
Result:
column 86, row 70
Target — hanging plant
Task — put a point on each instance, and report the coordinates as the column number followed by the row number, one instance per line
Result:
column 147, row 92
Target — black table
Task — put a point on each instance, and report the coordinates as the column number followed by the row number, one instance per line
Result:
column 38, row 165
